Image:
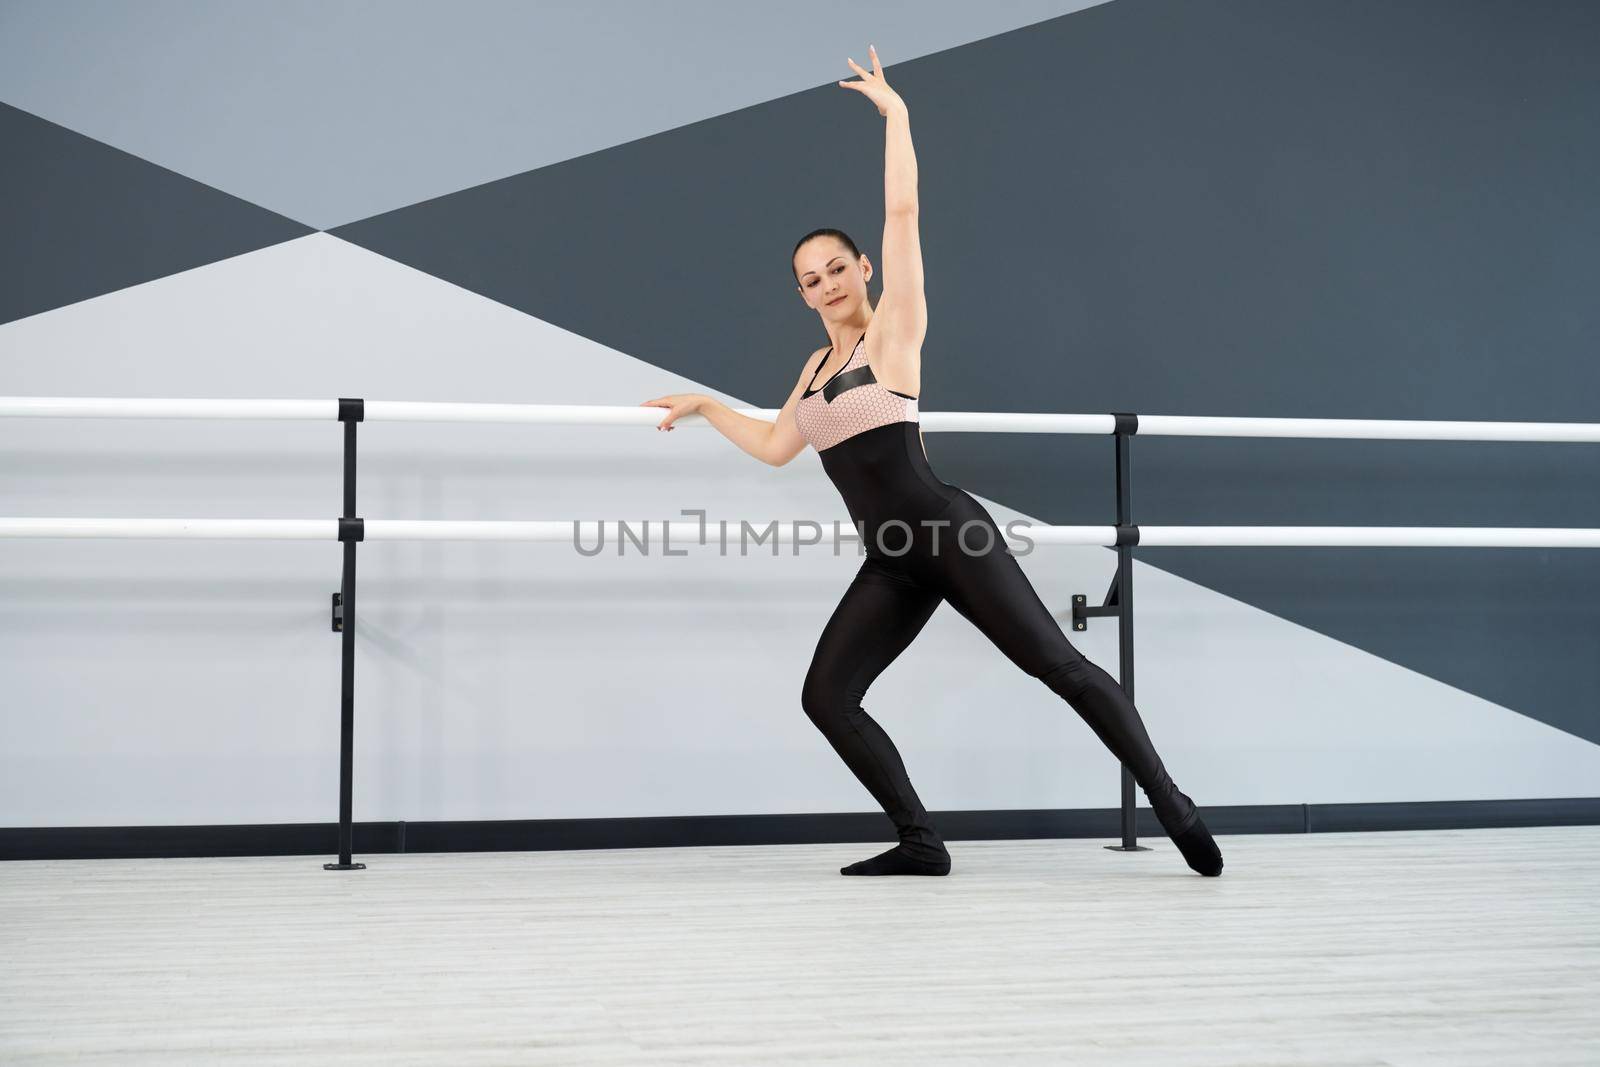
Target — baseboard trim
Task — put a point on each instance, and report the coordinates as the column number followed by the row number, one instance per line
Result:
column 523, row 835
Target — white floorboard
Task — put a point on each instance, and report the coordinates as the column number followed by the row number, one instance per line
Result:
column 1450, row 948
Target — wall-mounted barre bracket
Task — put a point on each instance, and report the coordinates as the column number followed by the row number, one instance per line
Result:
column 1082, row 613
column 349, row 530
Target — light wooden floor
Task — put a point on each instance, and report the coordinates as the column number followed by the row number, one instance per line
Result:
column 1450, row 947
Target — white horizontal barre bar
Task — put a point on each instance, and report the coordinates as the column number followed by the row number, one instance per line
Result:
column 1015, row 422
column 937, row 421
column 602, row 415
column 589, row 531
column 141, row 408
column 686, row 532
column 1370, row 536
column 1371, row 429
column 681, row 532
column 547, row 414
column 542, row 414
column 266, row 529
column 1318, row 536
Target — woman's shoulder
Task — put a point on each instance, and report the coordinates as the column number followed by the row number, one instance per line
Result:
column 808, row 370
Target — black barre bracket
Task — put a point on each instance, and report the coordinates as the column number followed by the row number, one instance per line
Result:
column 1081, row 611
column 349, row 530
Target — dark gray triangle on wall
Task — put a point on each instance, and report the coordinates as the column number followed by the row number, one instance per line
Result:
column 1291, row 209
column 81, row 218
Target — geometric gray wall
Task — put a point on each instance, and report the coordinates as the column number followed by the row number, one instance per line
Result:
column 1293, row 209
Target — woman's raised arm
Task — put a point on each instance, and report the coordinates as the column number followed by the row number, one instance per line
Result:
column 900, row 320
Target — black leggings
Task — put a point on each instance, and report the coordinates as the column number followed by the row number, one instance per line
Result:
column 887, row 604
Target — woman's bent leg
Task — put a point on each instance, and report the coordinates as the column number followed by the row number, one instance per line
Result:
column 879, row 615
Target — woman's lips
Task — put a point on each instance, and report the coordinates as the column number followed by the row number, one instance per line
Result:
column 835, row 301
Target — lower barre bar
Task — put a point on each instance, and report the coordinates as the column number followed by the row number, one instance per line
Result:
column 1369, row 536
column 264, row 529
column 805, row 532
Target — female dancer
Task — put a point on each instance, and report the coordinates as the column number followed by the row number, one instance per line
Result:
column 862, row 421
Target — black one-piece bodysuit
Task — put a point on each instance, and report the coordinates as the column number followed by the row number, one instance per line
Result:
column 928, row 541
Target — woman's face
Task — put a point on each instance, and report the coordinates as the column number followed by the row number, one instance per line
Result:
column 830, row 279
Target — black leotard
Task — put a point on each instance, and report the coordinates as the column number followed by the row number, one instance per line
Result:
column 928, row 541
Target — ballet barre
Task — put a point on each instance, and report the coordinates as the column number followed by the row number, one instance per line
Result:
column 350, row 529
column 935, row 421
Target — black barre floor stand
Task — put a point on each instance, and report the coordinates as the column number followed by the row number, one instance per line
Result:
column 351, row 412
column 1118, row 602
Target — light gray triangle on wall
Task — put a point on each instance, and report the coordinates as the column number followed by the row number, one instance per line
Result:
column 329, row 111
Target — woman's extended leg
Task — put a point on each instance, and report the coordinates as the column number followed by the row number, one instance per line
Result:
column 987, row 586
column 877, row 618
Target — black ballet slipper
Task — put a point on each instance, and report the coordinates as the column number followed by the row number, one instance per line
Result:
column 1181, row 820
column 903, row 859
column 1199, row 848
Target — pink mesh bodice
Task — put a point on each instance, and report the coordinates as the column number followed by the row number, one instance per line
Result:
column 849, row 402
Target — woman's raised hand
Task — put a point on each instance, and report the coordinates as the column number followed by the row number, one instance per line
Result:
column 681, row 404
column 873, row 86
